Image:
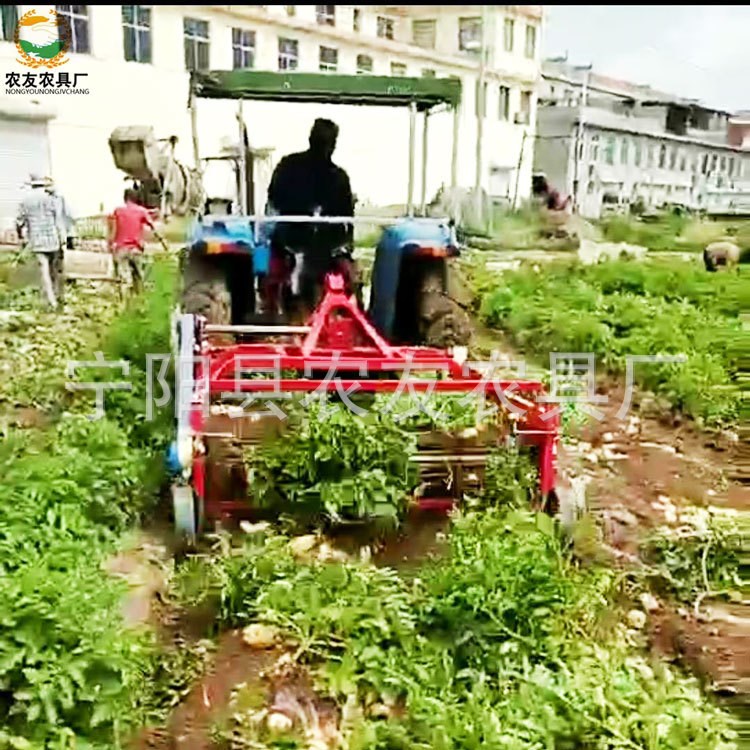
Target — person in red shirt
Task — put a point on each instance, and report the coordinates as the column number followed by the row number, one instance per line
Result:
column 127, row 226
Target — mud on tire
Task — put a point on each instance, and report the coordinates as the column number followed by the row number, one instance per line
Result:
column 443, row 323
column 205, row 290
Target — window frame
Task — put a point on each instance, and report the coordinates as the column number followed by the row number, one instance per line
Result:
column 385, row 27
column 71, row 17
column 8, row 23
column 243, row 48
column 530, row 37
column 292, row 58
column 467, row 24
column 509, row 25
column 426, row 23
column 361, row 71
column 197, row 43
column 325, row 15
column 137, row 28
column 328, row 67
column 503, row 113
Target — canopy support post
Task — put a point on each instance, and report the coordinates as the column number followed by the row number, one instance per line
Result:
column 244, row 208
column 425, row 142
column 192, row 106
column 454, row 152
column 412, row 149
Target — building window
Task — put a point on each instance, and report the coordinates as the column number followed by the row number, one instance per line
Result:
column 594, row 148
column 195, row 35
column 77, row 17
column 398, row 69
column 509, row 28
column 730, row 166
column 609, row 150
column 526, row 107
column 624, row 151
column 503, row 111
column 683, row 162
column 530, row 41
column 9, row 18
column 428, row 73
column 672, row 158
column 364, row 65
column 480, row 99
column 328, row 60
column 723, row 164
column 638, row 152
column 714, row 162
column 704, row 164
column 243, row 48
column 288, row 54
column 356, row 19
column 325, row 15
column 291, row 10
column 423, row 33
column 385, row 27
column 469, row 34
column 136, row 33
column 662, row 156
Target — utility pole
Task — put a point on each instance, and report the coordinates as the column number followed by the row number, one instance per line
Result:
column 578, row 154
column 480, row 107
column 480, row 100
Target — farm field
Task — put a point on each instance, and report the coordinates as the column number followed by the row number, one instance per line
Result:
column 495, row 628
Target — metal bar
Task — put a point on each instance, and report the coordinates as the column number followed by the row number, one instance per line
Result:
column 412, row 146
column 226, row 385
column 215, row 328
column 425, row 144
column 381, row 220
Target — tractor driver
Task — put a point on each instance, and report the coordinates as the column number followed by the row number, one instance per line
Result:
column 303, row 184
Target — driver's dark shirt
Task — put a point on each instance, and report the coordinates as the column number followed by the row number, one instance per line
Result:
column 301, row 182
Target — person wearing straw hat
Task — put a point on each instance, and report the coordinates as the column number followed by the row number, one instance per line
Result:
column 39, row 224
column 67, row 226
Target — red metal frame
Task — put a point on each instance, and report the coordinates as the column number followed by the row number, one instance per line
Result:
column 348, row 344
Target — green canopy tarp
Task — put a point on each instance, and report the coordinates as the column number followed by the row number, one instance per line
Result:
column 326, row 88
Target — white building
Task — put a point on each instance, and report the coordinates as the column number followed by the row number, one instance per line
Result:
column 135, row 61
column 610, row 143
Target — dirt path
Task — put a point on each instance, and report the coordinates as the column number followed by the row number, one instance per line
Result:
column 641, row 473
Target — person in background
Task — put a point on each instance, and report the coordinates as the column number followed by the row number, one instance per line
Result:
column 38, row 224
column 66, row 219
column 126, row 242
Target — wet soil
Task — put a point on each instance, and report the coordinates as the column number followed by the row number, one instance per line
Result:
column 637, row 470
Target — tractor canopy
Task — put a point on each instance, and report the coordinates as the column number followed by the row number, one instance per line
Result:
column 326, row 88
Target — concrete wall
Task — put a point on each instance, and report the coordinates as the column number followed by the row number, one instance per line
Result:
column 373, row 143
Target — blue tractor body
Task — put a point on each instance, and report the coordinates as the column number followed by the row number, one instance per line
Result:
column 219, row 235
column 409, row 256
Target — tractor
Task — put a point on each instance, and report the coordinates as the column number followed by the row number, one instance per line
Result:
column 411, row 323
column 227, row 255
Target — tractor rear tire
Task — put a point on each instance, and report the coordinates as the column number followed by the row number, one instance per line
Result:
column 442, row 322
column 205, row 290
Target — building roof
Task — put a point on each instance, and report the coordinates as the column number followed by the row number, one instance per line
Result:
column 409, row 11
column 561, row 69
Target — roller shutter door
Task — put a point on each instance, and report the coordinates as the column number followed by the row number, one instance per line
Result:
column 23, row 149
